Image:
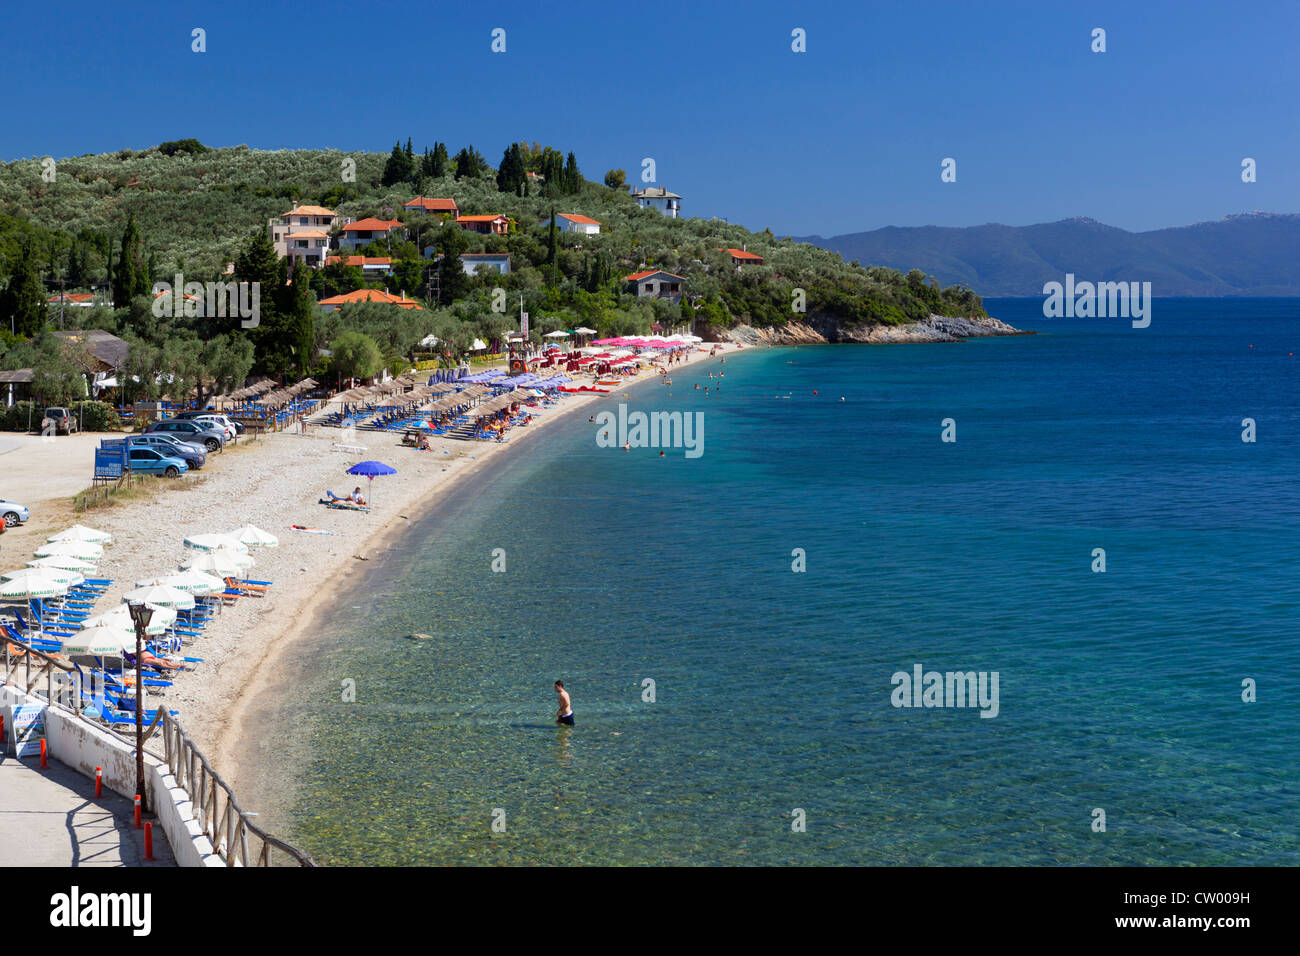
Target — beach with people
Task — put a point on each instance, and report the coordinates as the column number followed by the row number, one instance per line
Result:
column 279, row 482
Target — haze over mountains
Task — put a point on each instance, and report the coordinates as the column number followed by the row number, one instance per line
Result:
column 1254, row 254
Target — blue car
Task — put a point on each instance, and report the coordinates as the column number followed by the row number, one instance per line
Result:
column 150, row 461
column 191, row 454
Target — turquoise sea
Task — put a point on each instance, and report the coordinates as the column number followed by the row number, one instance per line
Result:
column 1120, row 691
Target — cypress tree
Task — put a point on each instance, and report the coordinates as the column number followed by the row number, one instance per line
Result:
column 440, row 162
column 22, row 304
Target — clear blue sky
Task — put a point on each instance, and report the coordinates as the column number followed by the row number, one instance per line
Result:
column 846, row 137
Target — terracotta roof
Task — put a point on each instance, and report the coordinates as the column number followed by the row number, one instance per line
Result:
column 373, row 225
column 741, row 254
column 432, row 205
column 306, row 234
column 359, row 260
column 638, row 276
column 73, row 297
column 310, row 211
column 481, row 218
column 574, row 217
column 371, row 295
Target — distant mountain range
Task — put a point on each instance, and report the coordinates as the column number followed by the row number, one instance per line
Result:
column 1256, row 254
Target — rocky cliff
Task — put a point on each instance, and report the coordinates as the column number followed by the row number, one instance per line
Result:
column 818, row 329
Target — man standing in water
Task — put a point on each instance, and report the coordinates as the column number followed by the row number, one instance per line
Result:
column 565, row 714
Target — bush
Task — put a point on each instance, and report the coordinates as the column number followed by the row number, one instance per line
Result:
column 16, row 417
column 26, row 416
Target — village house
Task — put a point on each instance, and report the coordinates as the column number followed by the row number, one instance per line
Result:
column 739, row 257
column 487, row 225
column 336, row 302
column 369, row 265
column 82, row 300
column 656, row 197
column 363, row 232
column 572, row 222
column 658, row 284
column 303, row 233
column 433, row 206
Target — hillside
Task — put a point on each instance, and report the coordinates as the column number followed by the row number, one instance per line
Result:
column 1250, row 255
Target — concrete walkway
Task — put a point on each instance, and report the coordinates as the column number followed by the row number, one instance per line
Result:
column 51, row 818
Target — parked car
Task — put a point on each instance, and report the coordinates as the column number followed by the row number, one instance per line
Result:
column 58, row 421
column 209, row 438
column 13, row 512
column 193, row 455
column 226, row 419
column 150, row 461
column 219, row 422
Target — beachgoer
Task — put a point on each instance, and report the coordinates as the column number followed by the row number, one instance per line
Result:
column 565, row 714
column 357, row 497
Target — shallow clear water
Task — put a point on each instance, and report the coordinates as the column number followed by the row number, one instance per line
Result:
column 1118, row 690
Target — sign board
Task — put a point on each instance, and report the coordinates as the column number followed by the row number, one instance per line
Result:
column 108, row 462
column 28, row 723
column 523, row 323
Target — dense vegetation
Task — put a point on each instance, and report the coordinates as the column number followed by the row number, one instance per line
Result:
column 125, row 220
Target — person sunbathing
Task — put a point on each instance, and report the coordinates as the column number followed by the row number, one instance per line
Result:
column 357, row 497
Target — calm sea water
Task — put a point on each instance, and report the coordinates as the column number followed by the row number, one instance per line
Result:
column 772, row 689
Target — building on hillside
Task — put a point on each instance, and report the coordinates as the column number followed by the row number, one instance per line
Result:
column 303, row 233
column 656, row 197
column 572, row 222
column 496, row 225
column 101, row 355
column 81, row 300
column 433, row 206
column 363, row 232
column 369, row 265
column 470, row 261
column 336, row 302
column 739, row 257
column 657, row 284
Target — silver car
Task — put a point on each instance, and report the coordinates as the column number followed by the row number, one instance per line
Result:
column 13, row 513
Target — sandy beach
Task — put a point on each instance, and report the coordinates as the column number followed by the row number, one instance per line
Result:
column 272, row 482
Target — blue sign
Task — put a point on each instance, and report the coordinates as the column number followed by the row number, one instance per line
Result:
column 109, row 462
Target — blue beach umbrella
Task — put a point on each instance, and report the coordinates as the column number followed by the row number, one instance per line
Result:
column 371, row 469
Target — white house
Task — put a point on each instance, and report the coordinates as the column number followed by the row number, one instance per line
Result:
column 470, row 261
column 656, row 197
column 303, row 233
column 572, row 222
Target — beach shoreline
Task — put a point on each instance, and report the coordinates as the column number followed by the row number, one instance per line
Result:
column 225, row 723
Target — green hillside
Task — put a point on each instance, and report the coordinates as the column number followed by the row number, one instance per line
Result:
column 196, row 209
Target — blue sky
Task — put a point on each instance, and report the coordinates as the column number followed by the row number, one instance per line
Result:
column 846, row 137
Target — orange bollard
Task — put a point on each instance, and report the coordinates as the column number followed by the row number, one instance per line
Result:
column 99, row 781
column 148, row 842
column 43, row 763
column 137, row 811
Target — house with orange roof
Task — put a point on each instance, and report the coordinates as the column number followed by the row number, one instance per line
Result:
column 303, row 233
column 365, row 231
column 79, row 299
column 336, row 302
column 433, row 207
column 572, row 222
column 497, row 225
column 657, row 284
column 739, row 257
column 369, row 265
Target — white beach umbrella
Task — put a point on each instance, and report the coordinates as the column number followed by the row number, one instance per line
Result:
column 120, row 618
column 557, row 334
column 254, row 537
column 64, row 561
column 220, row 562
column 100, row 641
column 46, row 575
column 79, row 532
column 86, row 550
column 160, row 595
column 198, row 583
column 210, row 542
column 27, row 588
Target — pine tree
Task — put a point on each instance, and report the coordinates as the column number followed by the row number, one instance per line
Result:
column 22, row 304
column 440, row 162
column 511, row 174
column 399, row 167
column 453, row 283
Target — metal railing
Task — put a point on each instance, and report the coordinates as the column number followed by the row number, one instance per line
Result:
column 220, row 817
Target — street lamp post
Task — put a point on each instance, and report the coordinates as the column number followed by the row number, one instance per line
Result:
column 141, row 614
